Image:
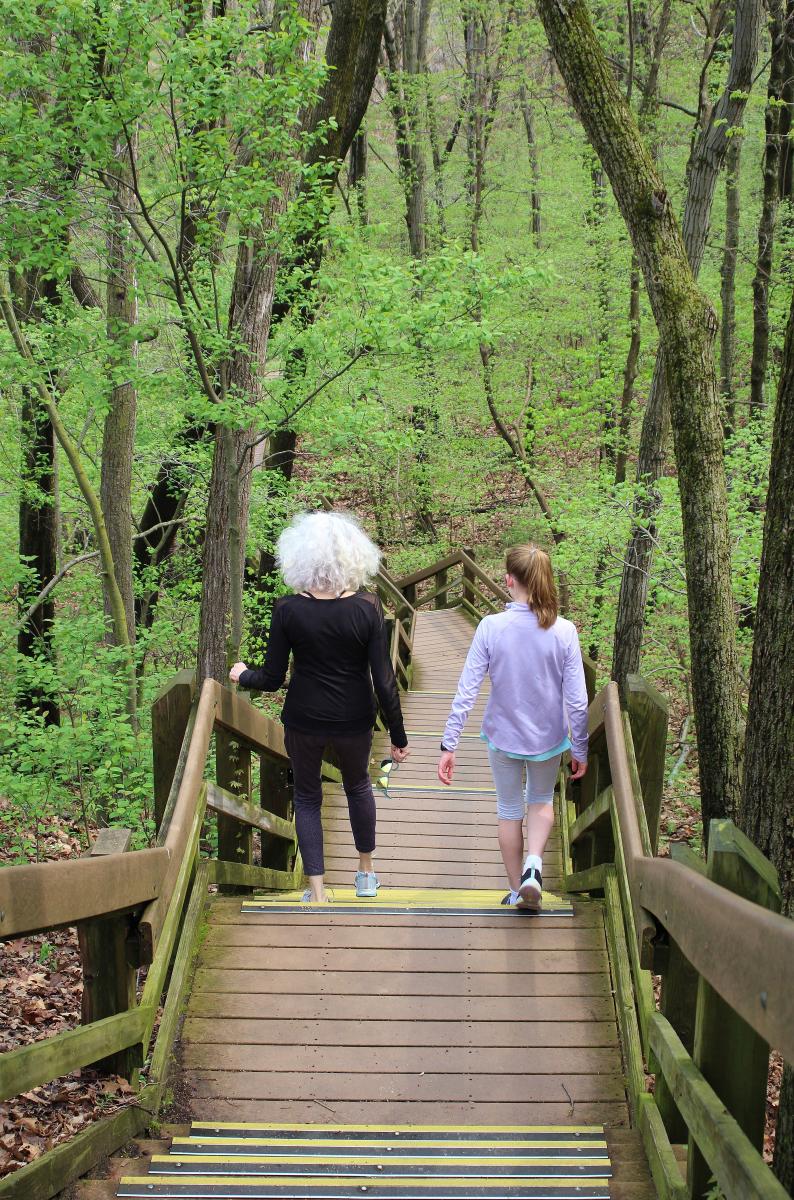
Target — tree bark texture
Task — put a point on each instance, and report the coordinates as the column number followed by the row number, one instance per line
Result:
column 728, row 281
column 118, row 435
column 769, row 205
column 708, row 152
column 687, row 327
column 403, row 86
column 629, row 373
column 767, row 815
column 786, row 161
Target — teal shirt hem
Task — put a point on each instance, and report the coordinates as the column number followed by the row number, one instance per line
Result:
column 564, row 745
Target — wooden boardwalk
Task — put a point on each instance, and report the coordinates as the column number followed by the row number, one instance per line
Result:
column 366, row 1018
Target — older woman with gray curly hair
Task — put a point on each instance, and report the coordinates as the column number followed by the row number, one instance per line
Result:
column 337, row 637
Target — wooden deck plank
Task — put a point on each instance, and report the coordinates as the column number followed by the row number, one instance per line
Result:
column 532, row 936
column 498, row 961
column 262, row 1031
column 304, row 1107
column 389, row 983
column 451, row 1061
column 436, row 1086
column 454, row 1009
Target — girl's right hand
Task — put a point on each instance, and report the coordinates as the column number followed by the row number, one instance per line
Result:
column 446, row 767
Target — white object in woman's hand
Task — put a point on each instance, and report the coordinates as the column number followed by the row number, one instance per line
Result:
column 237, row 671
column 399, row 753
column 446, row 767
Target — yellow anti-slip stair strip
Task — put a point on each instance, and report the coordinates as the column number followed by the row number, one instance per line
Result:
column 362, row 1149
column 424, row 901
column 311, row 1133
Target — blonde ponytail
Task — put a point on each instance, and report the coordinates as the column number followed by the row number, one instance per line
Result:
column 531, row 568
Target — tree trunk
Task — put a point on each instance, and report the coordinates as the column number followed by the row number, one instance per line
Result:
column 786, row 161
column 534, row 166
column 708, row 152
column 768, row 218
column 357, row 174
column 728, row 284
column 402, row 85
column 767, row 814
column 629, row 373
column 118, row 436
column 37, row 549
column 687, row 327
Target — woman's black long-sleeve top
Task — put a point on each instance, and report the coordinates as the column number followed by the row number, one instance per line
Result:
column 339, row 650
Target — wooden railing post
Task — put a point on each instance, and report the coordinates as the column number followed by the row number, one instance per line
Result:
column 648, row 715
column 442, row 578
column 732, row 1057
column 409, row 591
column 108, row 980
column 468, row 576
column 678, row 1002
column 170, row 712
column 275, row 795
column 233, row 772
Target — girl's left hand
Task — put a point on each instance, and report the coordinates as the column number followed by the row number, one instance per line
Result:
column 237, row 671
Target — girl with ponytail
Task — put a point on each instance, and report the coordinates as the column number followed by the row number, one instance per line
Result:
column 537, row 709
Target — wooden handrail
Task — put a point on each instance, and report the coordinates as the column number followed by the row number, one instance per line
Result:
column 745, row 952
column 36, row 897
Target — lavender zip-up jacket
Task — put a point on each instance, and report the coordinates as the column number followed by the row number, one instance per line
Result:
column 537, row 685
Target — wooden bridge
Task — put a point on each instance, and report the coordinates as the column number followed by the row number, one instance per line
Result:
column 431, row 1042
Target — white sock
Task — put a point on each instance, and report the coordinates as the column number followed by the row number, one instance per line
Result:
column 513, row 897
column 533, row 860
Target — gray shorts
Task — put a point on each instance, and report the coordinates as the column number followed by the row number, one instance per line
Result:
column 512, row 792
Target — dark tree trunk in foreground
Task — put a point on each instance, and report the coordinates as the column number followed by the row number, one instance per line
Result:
column 37, row 547
column 38, row 514
column 728, row 282
column 767, row 815
column 687, row 328
column 118, row 435
column 708, row 154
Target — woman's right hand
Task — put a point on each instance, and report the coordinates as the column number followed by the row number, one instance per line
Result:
column 399, row 753
column 237, row 671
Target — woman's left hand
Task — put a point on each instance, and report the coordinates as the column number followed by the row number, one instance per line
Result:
column 237, row 671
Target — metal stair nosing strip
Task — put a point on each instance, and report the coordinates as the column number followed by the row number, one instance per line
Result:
column 275, row 1162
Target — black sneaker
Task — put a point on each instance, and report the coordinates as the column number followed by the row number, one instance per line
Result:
column 530, row 893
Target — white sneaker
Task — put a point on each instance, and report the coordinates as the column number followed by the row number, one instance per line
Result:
column 367, row 884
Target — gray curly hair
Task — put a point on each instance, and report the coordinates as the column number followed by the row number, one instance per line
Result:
column 326, row 552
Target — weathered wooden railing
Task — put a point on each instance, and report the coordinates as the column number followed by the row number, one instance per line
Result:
column 145, row 907
column 711, row 931
column 456, row 579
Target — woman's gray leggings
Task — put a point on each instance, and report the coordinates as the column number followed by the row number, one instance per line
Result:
column 511, row 793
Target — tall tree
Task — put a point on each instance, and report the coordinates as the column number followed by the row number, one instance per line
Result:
column 710, row 143
column 687, row 326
